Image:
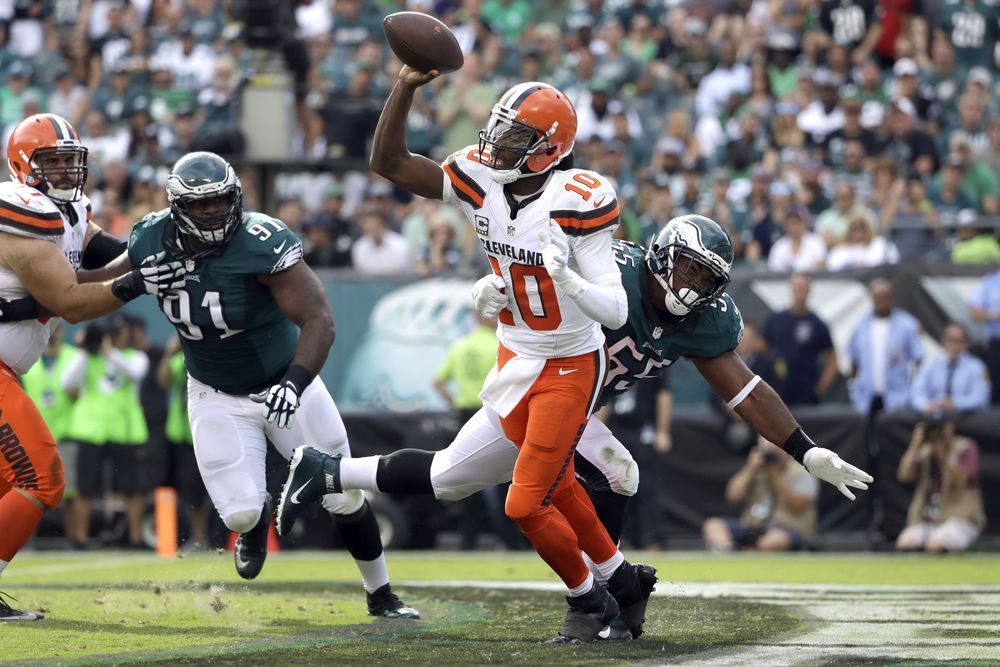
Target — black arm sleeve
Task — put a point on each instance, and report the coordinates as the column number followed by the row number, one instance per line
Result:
column 102, row 249
column 16, row 310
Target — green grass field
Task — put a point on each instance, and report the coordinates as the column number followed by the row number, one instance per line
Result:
column 308, row 608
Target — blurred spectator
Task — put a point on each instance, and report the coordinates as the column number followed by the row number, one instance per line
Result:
column 854, row 170
column 15, row 95
column 802, row 340
column 614, row 64
column 832, row 223
column 327, row 234
column 971, row 28
column 728, row 77
column 68, row 99
column 191, row 64
column 836, row 143
column 463, row 106
column 824, row 116
column 948, row 195
column 219, row 128
column 976, row 241
column 978, row 179
column 911, row 214
column 349, row 117
column 991, row 152
column 953, row 383
column 381, row 251
column 443, row 253
column 854, row 24
column 907, row 86
column 985, row 308
column 946, row 511
column 109, row 38
column 694, row 60
column 106, row 145
column 119, row 96
column 598, row 110
column 861, row 249
column 779, row 505
column 883, row 353
column 910, row 148
column 799, row 250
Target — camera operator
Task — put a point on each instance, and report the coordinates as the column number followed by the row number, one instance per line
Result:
column 946, row 512
column 779, row 505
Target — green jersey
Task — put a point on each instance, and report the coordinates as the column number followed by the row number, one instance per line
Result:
column 233, row 335
column 973, row 30
column 647, row 343
column 44, row 384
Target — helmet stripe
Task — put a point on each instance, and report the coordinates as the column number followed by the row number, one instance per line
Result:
column 56, row 127
column 532, row 87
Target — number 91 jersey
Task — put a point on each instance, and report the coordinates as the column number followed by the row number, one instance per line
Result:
column 234, row 336
column 540, row 321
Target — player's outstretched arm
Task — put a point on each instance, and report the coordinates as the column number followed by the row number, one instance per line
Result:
column 301, row 297
column 390, row 156
column 756, row 402
column 48, row 276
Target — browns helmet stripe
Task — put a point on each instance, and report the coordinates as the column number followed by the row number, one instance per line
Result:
column 56, row 127
column 516, row 96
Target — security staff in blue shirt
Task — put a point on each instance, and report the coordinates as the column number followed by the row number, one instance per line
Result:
column 985, row 307
column 954, row 382
column 884, row 349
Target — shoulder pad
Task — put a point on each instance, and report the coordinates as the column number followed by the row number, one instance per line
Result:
column 25, row 211
column 467, row 175
column 586, row 203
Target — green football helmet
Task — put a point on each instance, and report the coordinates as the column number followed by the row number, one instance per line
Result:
column 195, row 179
column 690, row 258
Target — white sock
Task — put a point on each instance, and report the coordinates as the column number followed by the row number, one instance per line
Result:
column 594, row 570
column 608, row 567
column 3, row 564
column 374, row 574
column 359, row 473
column 583, row 588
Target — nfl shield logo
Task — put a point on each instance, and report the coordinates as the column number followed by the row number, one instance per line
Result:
column 510, row 230
column 189, row 265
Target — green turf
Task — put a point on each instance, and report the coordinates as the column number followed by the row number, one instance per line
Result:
column 307, row 608
column 126, row 609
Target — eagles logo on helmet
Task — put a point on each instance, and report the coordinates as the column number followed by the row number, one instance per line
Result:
column 44, row 152
column 531, row 129
column 690, row 258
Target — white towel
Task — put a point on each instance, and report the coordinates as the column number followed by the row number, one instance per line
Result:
column 505, row 388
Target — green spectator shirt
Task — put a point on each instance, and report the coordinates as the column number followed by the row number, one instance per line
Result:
column 973, row 30
column 234, row 336
column 980, row 249
column 44, row 384
column 108, row 409
column 467, row 364
column 178, row 426
column 980, row 181
column 647, row 343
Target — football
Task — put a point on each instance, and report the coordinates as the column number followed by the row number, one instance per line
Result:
column 422, row 42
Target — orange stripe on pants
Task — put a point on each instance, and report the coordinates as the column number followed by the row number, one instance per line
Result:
column 545, row 499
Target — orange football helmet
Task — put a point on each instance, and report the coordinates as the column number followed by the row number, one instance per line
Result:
column 44, row 152
column 531, row 129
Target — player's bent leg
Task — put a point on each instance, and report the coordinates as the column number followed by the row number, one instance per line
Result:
column 479, row 457
column 610, row 473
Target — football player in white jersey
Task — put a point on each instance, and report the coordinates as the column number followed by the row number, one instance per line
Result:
column 546, row 229
column 45, row 236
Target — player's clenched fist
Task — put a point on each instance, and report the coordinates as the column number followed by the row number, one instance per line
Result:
column 282, row 400
column 555, row 255
column 488, row 296
column 151, row 277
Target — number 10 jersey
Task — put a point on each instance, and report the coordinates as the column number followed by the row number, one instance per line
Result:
column 540, row 320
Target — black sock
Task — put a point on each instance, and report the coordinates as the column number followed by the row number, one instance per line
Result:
column 611, row 509
column 359, row 532
column 407, row 471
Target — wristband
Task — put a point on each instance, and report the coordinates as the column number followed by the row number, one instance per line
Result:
column 299, row 377
column 127, row 287
column 797, row 444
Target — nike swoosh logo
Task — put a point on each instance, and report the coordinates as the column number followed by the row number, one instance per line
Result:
column 599, row 201
column 242, row 561
column 22, row 198
column 280, row 247
column 295, row 496
column 563, row 371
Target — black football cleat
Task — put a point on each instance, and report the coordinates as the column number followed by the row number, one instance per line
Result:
column 251, row 546
column 383, row 602
column 587, row 616
column 616, row 631
column 632, row 585
column 8, row 613
column 311, row 475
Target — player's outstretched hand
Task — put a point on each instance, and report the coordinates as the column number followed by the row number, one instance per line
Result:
column 414, row 78
column 827, row 466
column 151, row 277
column 488, row 296
column 280, row 403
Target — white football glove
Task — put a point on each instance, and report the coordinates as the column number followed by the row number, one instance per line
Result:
column 151, row 277
column 555, row 257
column 488, row 296
column 280, row 403
column 827, row 466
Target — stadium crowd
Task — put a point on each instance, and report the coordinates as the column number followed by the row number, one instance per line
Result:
column 822, row 134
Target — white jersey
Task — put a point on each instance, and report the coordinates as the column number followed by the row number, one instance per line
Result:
column 24, row 211
column 541, row 321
